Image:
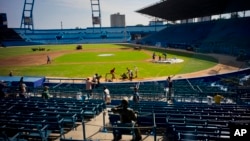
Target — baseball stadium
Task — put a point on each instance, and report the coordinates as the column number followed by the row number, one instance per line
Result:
column 184, row 77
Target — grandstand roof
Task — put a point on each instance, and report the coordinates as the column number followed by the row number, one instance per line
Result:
column 173, row 10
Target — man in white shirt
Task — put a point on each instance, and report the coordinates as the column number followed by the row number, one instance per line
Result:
column 107, row 97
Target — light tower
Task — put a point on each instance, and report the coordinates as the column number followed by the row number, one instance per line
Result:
column 96, row 13
column 27, row 16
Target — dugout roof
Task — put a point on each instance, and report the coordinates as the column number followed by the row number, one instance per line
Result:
column 173, row 10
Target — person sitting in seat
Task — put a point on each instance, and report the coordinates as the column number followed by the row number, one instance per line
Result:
column 136, row 96
column 45, row 94
column 127, row 115
column 2, row 87
column 218, row 98
column 22, row 88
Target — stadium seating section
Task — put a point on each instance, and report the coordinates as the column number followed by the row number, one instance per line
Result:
column 37, row 118
column 80, row 36
column 224, row 36
column 189, row 116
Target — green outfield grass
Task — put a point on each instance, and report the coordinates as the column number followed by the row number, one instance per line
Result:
column 92, row 60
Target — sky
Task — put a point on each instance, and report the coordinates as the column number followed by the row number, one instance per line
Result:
column 49, row 14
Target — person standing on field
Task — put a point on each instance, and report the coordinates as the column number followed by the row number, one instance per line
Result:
column 48, row 59
column 136, row 71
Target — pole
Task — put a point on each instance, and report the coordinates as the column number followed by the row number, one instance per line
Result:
column 154, row 128
column 83, row 128
column 103, row 120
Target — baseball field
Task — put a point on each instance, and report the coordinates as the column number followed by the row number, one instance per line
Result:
column 67, row 61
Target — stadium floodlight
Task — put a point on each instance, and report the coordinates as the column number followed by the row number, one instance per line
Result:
column 27, row 16
column 96, row 13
